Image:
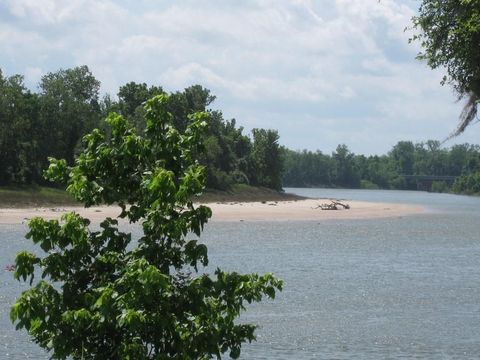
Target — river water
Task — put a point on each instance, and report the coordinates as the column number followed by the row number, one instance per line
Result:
column 395, row 288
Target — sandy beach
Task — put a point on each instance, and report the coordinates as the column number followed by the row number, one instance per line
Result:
column 239, row 211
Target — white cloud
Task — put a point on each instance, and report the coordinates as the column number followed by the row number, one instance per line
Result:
column 33, row 76
column 274, row 64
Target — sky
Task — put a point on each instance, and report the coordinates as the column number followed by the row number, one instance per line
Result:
column 322, row 73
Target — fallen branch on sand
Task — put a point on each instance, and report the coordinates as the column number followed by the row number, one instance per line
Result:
column 334, row 205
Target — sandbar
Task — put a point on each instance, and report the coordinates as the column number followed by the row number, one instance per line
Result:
column 294, row 210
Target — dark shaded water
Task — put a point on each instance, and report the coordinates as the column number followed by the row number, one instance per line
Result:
column 399, row 288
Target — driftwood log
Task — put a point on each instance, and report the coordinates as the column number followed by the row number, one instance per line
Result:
column 334, row 205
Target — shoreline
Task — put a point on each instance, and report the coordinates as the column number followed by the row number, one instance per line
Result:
column 46, row 197
column 285, row 210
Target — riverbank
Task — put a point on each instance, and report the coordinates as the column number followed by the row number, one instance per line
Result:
column 39, row 196
column 34, row 196
column 305, row 209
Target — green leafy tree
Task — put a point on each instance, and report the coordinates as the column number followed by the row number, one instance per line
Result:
column 378, row 171
column 458, row 158
column 193, row 98
column 131, row 98
column 402, row 155
column 69, row 109
column 223, row 158
column 467, row 184
column 102, row 296
column 307, row 168
column 267, row 159
column 449, row 35
column 346, row 174
column 402, row 158
column 19, row 132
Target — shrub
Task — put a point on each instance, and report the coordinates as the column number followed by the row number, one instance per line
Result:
column 367, row 184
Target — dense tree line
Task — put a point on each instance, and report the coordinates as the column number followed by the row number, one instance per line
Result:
column 345, row 169
column 52, row 122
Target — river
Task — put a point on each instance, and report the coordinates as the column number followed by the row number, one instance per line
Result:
column 394, row 288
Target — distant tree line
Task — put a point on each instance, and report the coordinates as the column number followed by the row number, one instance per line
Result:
column 52, row 122
column 347, row 170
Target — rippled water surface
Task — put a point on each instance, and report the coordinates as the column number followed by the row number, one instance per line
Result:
column 397, row 288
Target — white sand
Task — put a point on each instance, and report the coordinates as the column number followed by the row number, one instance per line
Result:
column 236, row 211
column 308, row 210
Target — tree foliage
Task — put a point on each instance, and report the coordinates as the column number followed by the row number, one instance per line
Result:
column 467, row 184
column 52, row 122
column 69, row 103
column 266, row 159
column 307, row 168
column 346, row 173
column 19, row 131
column 345, row 169
column 449, row 35
column 104, row 296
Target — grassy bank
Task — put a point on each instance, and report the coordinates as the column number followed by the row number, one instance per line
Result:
column 37, row 196
column 246, row 193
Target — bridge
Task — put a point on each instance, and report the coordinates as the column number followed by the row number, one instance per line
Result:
column 424, row 182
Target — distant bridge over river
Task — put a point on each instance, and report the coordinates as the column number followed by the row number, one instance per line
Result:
column 424, row 182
